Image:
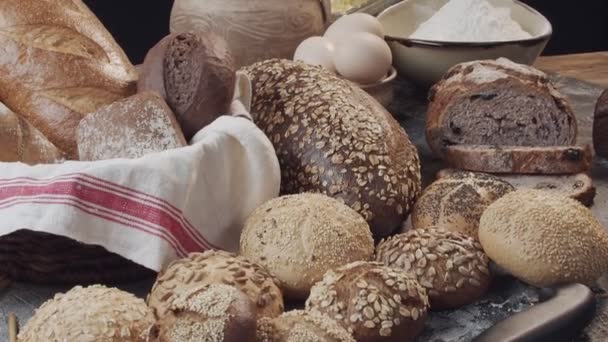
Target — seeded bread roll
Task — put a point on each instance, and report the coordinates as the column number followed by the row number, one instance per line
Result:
column 217, row 312
column 600, row 126
column 216, row 267
column 451, row 266
column 372, row 301
column 94, row 313
column 58, row 63
column 457, row 201
column 497, row 102
column 553, row 160
column 579, row 186
column 195, row 71
column 544, row 238
column 301, row 326
column 333, row 138
column 299, row 237
column 129, row 128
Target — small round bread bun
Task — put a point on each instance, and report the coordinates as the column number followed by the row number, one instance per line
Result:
column 91, row 314
column 299, row 237
column 301, row 326
column 217, row 312
column 372, row 301
column 456, row 201
column 544, row 238
column 450, row 265
column 216, row 267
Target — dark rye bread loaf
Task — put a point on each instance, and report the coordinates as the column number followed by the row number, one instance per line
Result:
column 578, row 186
column 600, row 126
column 333, row 138
column 195, row 73
column 497, row 103
column 554, row 160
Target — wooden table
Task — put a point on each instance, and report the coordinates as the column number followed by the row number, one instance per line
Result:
column 590, row 67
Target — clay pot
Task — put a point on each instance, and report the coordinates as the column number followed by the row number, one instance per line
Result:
column 255, row 30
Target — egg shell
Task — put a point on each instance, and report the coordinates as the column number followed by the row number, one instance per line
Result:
column 316, row 51
column 363, row 58
column 351, row 24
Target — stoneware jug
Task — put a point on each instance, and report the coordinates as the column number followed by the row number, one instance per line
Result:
column 255, row 30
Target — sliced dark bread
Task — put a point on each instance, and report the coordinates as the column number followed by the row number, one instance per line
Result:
column 600, row 126
column 497, row 102
column 578, row 186
column 549, row 160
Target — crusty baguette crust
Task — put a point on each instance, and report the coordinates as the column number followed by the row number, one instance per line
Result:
column 578, row 186
column 486, row 81
column 21, row 142
column 58, row 63
column 520, row 159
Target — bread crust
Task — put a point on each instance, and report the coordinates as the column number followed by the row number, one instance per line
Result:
column 520, row 159
column 22, row 142
column 600, row 126
column 58, row 64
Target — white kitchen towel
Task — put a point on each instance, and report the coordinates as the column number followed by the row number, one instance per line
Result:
column 153, row 209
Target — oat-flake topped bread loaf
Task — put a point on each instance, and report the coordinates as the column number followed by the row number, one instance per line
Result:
column 331, row 137
column 58, row 63
column 92, row 314
column 497, row 102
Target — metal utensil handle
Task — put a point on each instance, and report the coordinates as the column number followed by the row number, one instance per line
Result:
column 562, row 317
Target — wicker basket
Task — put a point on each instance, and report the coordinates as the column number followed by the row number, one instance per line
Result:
column 50, row 259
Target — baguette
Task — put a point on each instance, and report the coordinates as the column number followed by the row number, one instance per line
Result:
column 21, row 142
column 520, row 159
column 58, row 63
column 578, row 186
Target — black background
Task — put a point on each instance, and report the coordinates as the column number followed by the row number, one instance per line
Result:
column 579, row 26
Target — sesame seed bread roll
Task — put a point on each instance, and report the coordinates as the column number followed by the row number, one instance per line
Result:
column 214, row 313
column 301, row 326
column 544, row 238
column 216, row 267
column 298, row 238
column 451, row 266
column 456, row 202
column 92, row 314
column 333, row 138
column 372, row 301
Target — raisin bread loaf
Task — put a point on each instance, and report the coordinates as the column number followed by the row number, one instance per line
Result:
column 600, row 126
column 497, row 102
column 58, row 63
column 332, row 137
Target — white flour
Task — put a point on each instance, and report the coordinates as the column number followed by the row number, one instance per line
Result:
column 470, row 21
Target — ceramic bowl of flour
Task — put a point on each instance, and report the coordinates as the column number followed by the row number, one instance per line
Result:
column 444, row 36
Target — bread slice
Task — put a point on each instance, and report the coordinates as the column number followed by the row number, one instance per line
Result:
column 497, row 102
column 600, row 126
column 520, row 159
column 578, row 186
